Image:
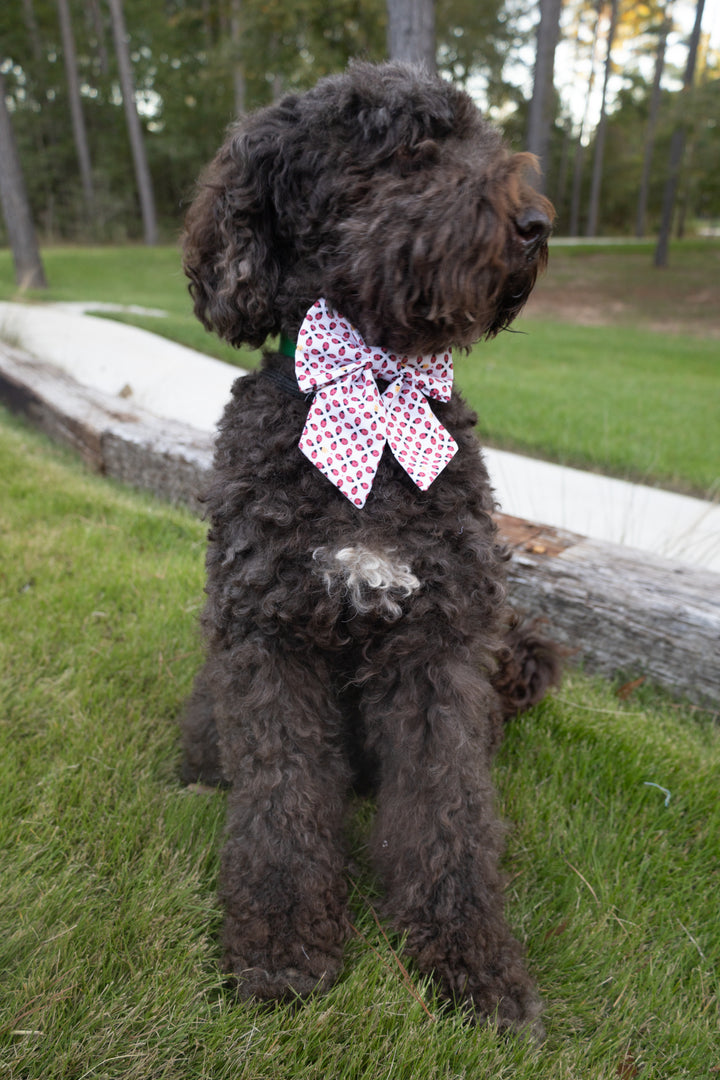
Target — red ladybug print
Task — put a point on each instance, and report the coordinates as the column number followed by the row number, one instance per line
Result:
column 347, row 394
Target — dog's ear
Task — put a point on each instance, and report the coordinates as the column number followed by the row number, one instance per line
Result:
column 230, row 252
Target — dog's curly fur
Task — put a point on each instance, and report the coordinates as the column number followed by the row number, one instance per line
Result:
column 370, row 647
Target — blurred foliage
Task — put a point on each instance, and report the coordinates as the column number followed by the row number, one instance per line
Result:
column 188, row 55
column 699, row 192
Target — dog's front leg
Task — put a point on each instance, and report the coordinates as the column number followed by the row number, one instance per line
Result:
column 437, row 840
column 282, row 881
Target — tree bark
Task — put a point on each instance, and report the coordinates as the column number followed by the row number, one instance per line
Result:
column 137, row 146
column 97, row 24
column 561, row 179
column 594, row 207
column 651, row 125
column 618, row 609
column 32, row 29
column 29, row 272
column 411, row 32
column 574, row 225
column 540, row 113
column 76, row 112
column 237, row 64
column 677, row 146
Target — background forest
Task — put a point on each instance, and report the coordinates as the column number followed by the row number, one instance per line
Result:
column 117, row 104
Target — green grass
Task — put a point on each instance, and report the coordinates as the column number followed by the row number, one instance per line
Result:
column 630, row 402
column 108, row 922
column 637, row 395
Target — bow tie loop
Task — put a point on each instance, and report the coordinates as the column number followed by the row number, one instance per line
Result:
column 350, row 421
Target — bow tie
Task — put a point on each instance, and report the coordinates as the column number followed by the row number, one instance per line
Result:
column 350, row 421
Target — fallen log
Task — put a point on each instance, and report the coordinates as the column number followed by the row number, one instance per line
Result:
column 615, row 608
column 623, row 610
column 112, row 435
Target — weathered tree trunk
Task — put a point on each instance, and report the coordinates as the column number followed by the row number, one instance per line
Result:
column 29, row 272
column 594, row 207
column 652, row 124
column 677, row 146
column 127, row 85
column 76, row 113
column 618, row 609
column 541, row 103
column 411, row 31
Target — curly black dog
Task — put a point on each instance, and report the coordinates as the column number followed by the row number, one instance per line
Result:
column 356, row 620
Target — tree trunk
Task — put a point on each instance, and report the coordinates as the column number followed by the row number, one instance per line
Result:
column 677, row 146
column 685, row 199
column 561, row 179
column 76, row 112
column 207, row 22
column 237, row 64
column 574, row 227
column 29, row 272
column 99, row 29
column 44, row 134
column 541, row 103
column 142, row 172
column 411, row 32
column 594, row 208
column 651, row 125
column 32, row 29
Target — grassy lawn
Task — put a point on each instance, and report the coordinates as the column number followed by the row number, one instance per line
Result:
column 626, row 401
column 617, row 368
column 108, row 923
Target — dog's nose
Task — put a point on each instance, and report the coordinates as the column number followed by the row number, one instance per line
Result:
column 534, row 227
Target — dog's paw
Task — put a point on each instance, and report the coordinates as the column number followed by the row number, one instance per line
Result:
column 206, row 773
column 510, row 1003
column 496, row 991
column 284, row 984
column 519, row 1015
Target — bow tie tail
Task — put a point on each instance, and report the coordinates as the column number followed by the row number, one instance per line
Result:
column 418, row 440
column 345, row 446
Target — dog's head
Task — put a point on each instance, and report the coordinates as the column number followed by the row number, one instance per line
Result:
column 383, row 190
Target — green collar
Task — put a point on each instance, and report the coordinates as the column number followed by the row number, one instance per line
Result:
column 286, row 347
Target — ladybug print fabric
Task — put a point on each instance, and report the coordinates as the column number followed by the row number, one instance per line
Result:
column 350, row 421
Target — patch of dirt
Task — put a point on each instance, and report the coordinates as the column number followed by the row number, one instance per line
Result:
column 583, row 311
column 612, row 287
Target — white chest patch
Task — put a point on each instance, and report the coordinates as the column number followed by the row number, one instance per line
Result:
column 370, row 580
